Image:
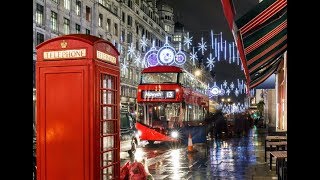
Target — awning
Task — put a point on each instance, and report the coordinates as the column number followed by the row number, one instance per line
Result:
column 261, row 38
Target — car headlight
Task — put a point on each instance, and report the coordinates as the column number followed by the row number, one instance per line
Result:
column 174, row 134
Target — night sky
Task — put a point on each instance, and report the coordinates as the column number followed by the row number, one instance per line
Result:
column 200, row 17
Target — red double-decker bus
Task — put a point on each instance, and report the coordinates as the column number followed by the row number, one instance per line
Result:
column 168, row 98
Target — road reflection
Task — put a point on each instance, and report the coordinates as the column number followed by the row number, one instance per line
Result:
column 218, row 159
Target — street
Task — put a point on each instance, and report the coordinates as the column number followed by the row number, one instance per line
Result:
column 234, row 158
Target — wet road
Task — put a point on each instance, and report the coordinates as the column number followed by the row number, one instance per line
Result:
column 233, row 158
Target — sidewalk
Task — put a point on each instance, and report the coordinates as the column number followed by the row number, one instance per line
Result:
column 242, row 158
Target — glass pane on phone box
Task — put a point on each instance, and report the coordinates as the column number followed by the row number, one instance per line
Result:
column 110, row 80
column 103, row 81
column 108, row 142
column 104, row 97
column 104, row 113
column 107, row 127
column 107, row 97
column 110, row 99
column 107, row 113
column 107, row 158
column 107, row 173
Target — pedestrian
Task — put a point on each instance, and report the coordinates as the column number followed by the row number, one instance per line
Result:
column 220, row 124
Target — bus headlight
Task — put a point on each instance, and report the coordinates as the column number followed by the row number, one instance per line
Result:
column 174, row 134
column 139, row 133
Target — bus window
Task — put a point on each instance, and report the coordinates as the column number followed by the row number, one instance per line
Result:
column 158, row 78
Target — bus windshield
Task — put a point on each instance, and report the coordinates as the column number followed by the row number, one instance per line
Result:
column 157, row 78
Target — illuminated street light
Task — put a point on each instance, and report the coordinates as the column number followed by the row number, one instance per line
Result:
column 222, row 99
column 197, row 72
column 229, row 99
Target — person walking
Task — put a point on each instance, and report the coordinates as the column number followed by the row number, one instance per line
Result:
column 220, row 124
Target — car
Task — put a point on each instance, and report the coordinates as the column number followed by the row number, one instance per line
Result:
column 129, row 136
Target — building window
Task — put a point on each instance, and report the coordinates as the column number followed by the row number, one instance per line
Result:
column 100, row 20
column 129, row 37
column 129, row 20
column 126, row 75
column 108, row 24
column 167, row 28
column 177, row 38
column 122, row 75
column 137, row 2
column 66, row 4
column 39, row 14
column 137, row 29
column 54, row 19
column 137, row 45
column 40, row 38
column 142, row 32
column 78, row 8
column 130, row 4
column 123, row 17
column 88, row 13
column 123, row 35
column 116, row 45
column 87, row 31
column 66, row 26
column 55, row 1
column 78, row 29
column 115, row 10
column 115, row 29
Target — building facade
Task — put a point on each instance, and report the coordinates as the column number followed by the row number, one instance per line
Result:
column 122, row 22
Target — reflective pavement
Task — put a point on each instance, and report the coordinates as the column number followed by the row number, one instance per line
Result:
column 235, row 158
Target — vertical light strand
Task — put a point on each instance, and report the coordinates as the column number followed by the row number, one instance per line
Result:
column 215, row 47
column 225, row 50
column 233, row 54
column 229, row 53
column 218, row 51
column 221, row 41
column 211, row 39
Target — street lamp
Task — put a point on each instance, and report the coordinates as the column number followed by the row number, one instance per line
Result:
column 229, row 100
column 197, row 72
column 222, row 99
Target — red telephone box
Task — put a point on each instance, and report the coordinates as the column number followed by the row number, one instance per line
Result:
column 78, row 109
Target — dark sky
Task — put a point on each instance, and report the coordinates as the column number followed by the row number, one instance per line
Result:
column 201, row 16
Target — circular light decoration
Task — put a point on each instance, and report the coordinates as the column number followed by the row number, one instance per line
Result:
column 215, row 90
column 152, row 59
column 166, row 54
column 151, row 56
column 180, row 57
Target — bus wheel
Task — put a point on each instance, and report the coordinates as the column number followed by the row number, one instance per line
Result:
column 151, row 142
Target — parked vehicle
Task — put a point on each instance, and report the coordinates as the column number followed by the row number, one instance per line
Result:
column 129, row 137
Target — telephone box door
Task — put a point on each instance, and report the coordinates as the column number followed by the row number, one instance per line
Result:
column 109, row 124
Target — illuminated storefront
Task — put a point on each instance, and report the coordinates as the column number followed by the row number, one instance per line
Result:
column 281, row 96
